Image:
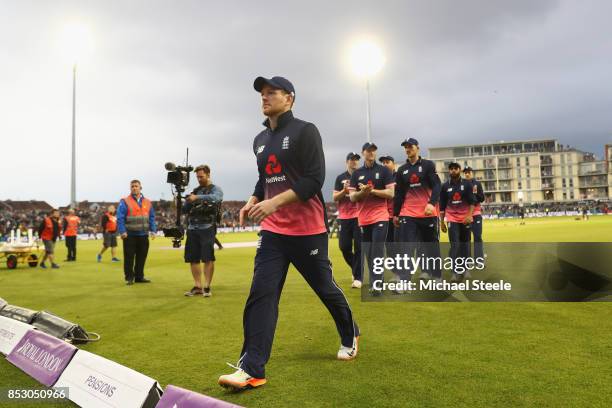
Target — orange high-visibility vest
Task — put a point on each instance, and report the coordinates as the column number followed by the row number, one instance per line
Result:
column 47, row 233
column 72, row 225
column 137, row 219
column 111, row 224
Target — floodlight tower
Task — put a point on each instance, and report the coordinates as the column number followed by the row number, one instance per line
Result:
column 367, row 59
column 76, row 42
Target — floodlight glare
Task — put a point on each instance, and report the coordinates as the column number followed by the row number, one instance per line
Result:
column 366, row 59
column 76, row 41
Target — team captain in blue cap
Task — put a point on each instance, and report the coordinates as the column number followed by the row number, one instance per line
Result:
column 289, row 205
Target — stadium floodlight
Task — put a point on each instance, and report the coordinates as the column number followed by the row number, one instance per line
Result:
column 76, row 42
column 367, row 59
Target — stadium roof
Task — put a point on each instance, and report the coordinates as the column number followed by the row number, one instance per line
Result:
column 499, row 142
column 26, row 205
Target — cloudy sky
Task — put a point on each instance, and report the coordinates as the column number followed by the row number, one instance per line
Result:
column 166, row 75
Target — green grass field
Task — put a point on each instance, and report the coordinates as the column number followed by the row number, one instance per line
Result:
column 411, row 354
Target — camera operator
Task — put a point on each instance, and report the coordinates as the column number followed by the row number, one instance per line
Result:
column 202, row 207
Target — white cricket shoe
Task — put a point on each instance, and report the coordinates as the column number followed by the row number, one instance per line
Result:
column 348, row 353
column 425, row 276
column 240, row 380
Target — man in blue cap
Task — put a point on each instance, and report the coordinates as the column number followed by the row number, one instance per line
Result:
column 349, row 238
column 371, row 186
column 289, row 204
column 389, row 162
column 457, row 202
column 476, row 227
column 415, row 209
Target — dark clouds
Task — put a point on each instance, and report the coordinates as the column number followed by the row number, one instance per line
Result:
column 167, row 75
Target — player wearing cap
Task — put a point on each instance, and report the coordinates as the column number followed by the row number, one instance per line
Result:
column 349, row 232
column 389, row 162
column 476, row 226
column 415, row 209
column 288, row 203
column 371, row 186
column 457, row 206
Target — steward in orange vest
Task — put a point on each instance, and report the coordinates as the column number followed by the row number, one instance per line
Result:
column 135, row 221
column 109, row 234
column 71, row 224
column 71, row 229
column 109, row 222
column 49, row 229
column 136, row 216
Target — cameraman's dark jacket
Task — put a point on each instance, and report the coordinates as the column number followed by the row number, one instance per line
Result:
column 203, row 212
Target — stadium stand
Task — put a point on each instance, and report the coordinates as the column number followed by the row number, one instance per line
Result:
column 29, row 214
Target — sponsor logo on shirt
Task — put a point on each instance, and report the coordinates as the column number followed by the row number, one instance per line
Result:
column 377, row 176
column 361, row 177
column 285, row 143
column 314, row 252
column 415, row 180
column 273, row 166
column 275, row 179
column 261, row 149
column 456, row 197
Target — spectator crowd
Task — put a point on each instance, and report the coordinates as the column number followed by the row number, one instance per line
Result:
column 24, row 215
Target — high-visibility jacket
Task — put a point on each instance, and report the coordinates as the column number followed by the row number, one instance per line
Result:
column 137, row 218
column 111, row 223
column 47, row 232
column 72, row 225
